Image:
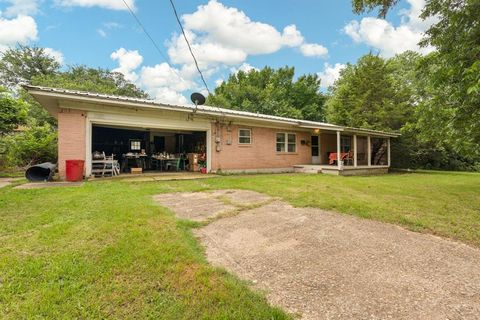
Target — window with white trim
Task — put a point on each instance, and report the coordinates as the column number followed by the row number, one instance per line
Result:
column 244, row 136
column 135, row 145
column 286, row 142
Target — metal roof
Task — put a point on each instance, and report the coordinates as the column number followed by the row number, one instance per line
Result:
column 212, row 110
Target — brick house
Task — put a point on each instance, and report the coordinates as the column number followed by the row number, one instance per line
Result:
column 232, row 141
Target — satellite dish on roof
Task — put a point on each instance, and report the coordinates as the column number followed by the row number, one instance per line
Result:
column 197, row 98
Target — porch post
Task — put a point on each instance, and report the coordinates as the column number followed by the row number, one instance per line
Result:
column 388, row 150
column 369, row 151
column 355, row 150
column 338, row 151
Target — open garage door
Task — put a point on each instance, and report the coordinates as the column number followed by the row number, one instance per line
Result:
column 147, row 149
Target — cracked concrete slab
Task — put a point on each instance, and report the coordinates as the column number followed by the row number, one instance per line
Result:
column 195, row 206
column 324, row 265
column 202, row 206
column 241, row 197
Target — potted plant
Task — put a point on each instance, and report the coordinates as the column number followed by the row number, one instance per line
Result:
column 203, row 166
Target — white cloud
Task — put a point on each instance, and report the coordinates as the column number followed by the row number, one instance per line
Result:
column 233, row 28
column 389, row 39
column 164, row 83
column 21, row 7
column 162, row 75
column 107, row 4
column 21, row 29
column 112, row 25
column 245, row 67
column 106, row 27
column 219, row 81
column 102, row 33
column 128, row 61
column 330, row 74
column 222, row 35
column 206, row 51
column 167, row 95
column 313, row 50
column 57, row 55
column 161, row 81
column 291, row 36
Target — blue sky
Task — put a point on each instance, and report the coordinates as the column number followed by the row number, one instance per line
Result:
column 314, row 36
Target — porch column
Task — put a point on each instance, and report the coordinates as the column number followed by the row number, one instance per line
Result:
column 355, row 150
column 388, row 151
column 369, row 151
column 338, row 151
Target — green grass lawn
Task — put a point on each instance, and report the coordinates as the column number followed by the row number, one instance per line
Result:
column 106, row 250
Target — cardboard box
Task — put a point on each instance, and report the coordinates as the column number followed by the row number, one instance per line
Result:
column 193, row 161
column 136, row 170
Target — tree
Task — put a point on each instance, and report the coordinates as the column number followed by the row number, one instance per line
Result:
column 21, row 64
column 360, row 6
column 92, row 80
column 453, row 71
column 13, row 112
column 453, row 110
column 373, row 94
column 273, row 92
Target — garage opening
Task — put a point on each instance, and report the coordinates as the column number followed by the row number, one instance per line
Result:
column 118, row 150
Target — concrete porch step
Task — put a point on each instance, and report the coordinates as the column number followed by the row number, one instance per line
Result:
column 307, row 169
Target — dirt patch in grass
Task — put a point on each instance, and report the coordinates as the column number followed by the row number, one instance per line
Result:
column 324, row 265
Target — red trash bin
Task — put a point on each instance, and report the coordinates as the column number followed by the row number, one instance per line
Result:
column 74, row 170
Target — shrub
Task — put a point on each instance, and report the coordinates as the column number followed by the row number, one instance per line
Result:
column 35, row 144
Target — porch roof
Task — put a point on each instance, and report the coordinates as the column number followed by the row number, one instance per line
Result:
column 49, row 97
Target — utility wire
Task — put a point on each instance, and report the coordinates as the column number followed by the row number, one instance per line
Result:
column 151, row 39
column 160, row 51
column 188, row 44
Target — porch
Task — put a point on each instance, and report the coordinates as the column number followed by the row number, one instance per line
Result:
column 345, row 171
column 348, row 152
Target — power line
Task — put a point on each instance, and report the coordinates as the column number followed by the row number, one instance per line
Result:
column 151, row 39
column 188, row 44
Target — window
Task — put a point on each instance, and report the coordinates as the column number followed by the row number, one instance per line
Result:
column 135, row 145
column 244, row 136
column 286, row 142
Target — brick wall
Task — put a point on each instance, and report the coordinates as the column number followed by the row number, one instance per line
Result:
column 260, row 154
column 71, row 137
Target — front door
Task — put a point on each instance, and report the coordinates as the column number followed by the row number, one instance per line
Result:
column 315, row 150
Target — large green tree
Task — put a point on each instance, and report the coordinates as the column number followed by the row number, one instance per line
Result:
column 90, row 79
column 273, row 92
column 374, row 93
column 13, row 112
column 451, row 110
column 20, row 64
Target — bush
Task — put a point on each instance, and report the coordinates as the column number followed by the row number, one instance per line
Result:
column 36, row 144
column 409, row 152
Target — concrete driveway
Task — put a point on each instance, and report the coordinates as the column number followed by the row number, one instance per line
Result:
column 323, row 265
